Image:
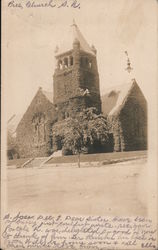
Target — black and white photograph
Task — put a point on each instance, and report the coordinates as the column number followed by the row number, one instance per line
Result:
column 79, row 124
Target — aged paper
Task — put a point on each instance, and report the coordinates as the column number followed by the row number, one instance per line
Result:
column 108, row 202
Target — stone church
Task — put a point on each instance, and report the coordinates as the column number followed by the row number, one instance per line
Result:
column 76, row 87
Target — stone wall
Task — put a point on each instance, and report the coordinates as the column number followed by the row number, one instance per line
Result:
column 77, row 104
column 129, row 125
column 89, row 76
column 134, row 121
column 33, row 132
column 70, row 79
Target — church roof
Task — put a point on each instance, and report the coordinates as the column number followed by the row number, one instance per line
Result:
column 115, row 97
column 112, row 101
column 48, row 95
column 73, row 35
column 13, row 123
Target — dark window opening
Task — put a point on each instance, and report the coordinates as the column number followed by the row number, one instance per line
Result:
column 71, row 60
column 66, row 62
column 86, row 61
column 60, row 64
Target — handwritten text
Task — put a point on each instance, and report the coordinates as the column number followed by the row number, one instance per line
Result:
column 77, row 232
column 16, row 4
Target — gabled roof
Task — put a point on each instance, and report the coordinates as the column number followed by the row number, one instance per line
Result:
column 115, row 97
column 74, row 34
column 112, row 102
column 48, row 95
column 13, row 123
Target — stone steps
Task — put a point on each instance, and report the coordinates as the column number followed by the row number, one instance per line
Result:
column 36, row 162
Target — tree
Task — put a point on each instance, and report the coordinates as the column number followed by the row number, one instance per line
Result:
column 81, row 132
column 73, row 142
column 94, row 127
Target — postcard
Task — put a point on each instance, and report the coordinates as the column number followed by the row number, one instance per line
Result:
column 79, row 124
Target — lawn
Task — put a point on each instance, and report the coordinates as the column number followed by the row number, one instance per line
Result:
column 17, row 162
column 97, row 157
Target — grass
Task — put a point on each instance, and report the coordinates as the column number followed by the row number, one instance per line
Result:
column 17, row 162
column 106, row 158
column 97, row 157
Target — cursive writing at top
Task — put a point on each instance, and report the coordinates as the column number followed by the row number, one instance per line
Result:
column 75, row 4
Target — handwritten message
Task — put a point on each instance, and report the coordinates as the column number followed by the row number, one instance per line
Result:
column 21, row 4
column 77, row 232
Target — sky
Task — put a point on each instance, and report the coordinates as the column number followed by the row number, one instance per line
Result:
column 113, row 26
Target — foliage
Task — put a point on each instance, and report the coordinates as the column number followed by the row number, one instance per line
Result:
column 80, row 133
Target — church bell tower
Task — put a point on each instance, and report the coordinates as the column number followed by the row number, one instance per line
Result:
column 76, row 78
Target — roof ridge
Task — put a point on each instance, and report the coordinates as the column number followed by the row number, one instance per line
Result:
column 122, row 92
column 120, row 103
column 48, row 95
column 107, row 90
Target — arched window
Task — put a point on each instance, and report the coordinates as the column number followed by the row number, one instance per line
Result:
column 60, row 64
column 86, row 61
column 66, row 62
column 39, row 129
column 71, row 60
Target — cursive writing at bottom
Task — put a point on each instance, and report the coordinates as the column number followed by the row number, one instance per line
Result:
column 77, row 232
